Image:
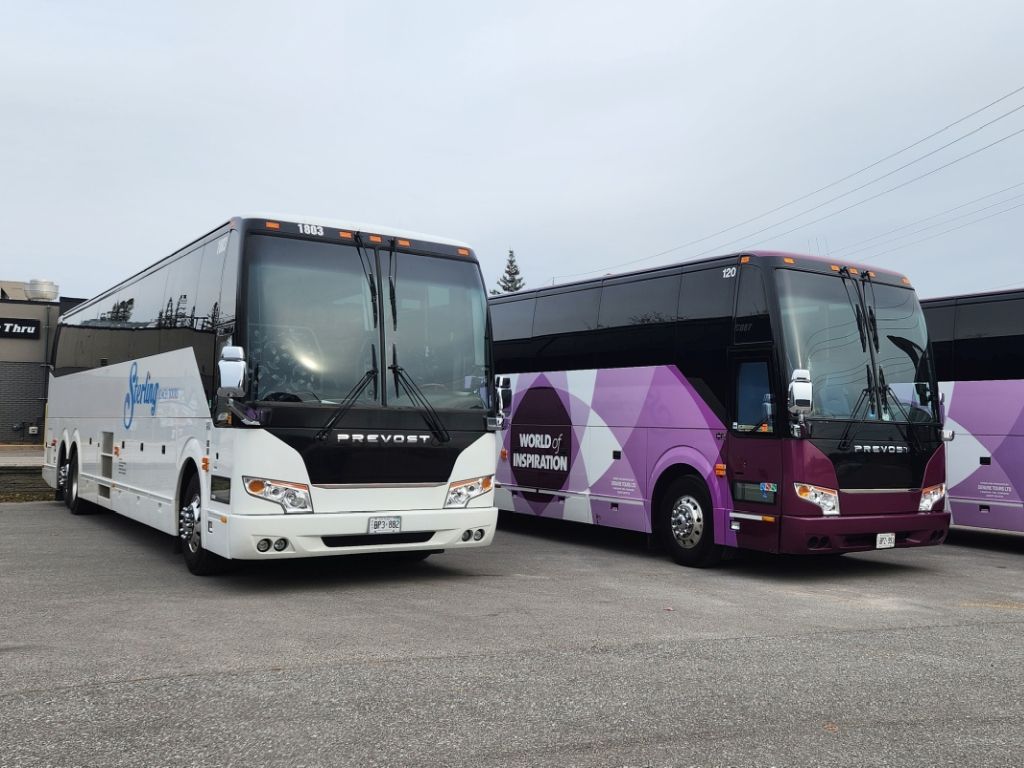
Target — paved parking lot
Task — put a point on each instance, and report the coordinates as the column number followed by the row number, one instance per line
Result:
column 558, row 646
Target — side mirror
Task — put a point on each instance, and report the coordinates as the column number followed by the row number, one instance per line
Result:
column 504, row 387
column 800, row 392
column 233, row 372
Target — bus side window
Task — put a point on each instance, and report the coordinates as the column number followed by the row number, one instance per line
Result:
column 752, row 323
column 704, row 334
column 754, row 406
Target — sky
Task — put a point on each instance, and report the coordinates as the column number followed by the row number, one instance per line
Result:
column 591, row 138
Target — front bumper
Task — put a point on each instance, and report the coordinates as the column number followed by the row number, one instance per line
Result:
column 823, row 535
column 345, row 533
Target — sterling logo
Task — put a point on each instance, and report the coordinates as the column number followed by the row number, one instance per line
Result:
column 377, row 439
column 881, row 449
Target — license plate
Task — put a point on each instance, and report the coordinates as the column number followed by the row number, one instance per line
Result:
column 391, row 524
column 885, row 541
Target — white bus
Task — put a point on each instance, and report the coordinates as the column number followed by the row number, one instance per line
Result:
column 282, row 388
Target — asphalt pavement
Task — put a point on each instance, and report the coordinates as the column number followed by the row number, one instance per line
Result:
column 560, row 645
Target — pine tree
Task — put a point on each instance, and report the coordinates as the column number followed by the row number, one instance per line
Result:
column 510, row 281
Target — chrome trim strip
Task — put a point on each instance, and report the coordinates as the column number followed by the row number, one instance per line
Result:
column 116, row 485
column 353, row 486
column 567, row 494
column 745, row 516
column 879, row 490
column 987, row 502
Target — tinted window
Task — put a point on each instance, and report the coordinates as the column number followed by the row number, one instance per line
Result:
column 989, row 341
column 513, row 319
column 990, row 318
column 706, row 294
column 940, row 333
column 752, row 324
column 639, row 302
column 182, row 280
column 208, row 290
column 567, row 312
column 229, row 281
column 753, row 398
column 704, row 334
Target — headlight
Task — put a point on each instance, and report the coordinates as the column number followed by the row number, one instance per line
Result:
column 461, row 492
column 825, row 498
column 931, row 496
column 293, row 497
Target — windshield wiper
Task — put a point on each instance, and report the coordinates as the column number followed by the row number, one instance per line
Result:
column 868, row 394
column 857, row 314
column 353, row 395
column 415, row 394
column 364, row 262
column 884, row 390
column 392, row 279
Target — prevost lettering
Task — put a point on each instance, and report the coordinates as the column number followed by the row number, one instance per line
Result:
column 377, row 439
column 881, row 449
column 18, row 328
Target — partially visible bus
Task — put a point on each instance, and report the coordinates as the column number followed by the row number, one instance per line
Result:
column 979, row 359
column 283, row 388
column 765, row 401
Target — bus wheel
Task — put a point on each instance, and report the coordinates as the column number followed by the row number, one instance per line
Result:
column 200, row 561
column 72, row 500
column 684, row 524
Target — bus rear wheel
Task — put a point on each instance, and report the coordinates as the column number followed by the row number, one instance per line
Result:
column 199, row 561
column 75, row 503
column 684, row 524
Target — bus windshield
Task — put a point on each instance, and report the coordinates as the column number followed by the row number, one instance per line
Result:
column 829, row 332
column 320, row 317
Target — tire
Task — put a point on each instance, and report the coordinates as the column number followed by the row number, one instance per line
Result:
column 75, row 503
column 684, row 523
column 199, row 561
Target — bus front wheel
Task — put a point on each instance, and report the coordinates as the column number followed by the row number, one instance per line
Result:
column 684, row 524
column 199, row 561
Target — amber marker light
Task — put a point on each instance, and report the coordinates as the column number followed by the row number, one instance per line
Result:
column 376, row 239
column 720, row 470
column 504, row 454
column 463, row 252
column 854, row 271
column 403, row 243
column 256, row 486
column 744, row 259
column 271, row 225
column 788, row 260
column 345, row 235
column 834, row 267
column 871, row 274
column 905, row 280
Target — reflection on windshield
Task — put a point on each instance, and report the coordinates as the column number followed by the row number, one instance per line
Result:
column 310, row 320
column 820, row 324
column 439, row 310
column 313, row 324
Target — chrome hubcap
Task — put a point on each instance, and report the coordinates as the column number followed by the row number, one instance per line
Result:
column 188, row 524
column 687, row 522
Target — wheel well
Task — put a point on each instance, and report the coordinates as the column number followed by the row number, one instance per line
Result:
column 665, row 479
column 188, row 469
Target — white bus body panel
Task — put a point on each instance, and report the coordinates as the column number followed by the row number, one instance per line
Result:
column 154, row 416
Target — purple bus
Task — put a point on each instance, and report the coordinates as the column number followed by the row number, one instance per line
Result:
column 765, row 401
column 979, row 361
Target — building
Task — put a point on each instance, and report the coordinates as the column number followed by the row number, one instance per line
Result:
column 28, row 322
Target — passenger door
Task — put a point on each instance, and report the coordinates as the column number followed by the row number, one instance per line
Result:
column 754, row 452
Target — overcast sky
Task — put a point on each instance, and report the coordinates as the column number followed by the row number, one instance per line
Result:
column 583, row 135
